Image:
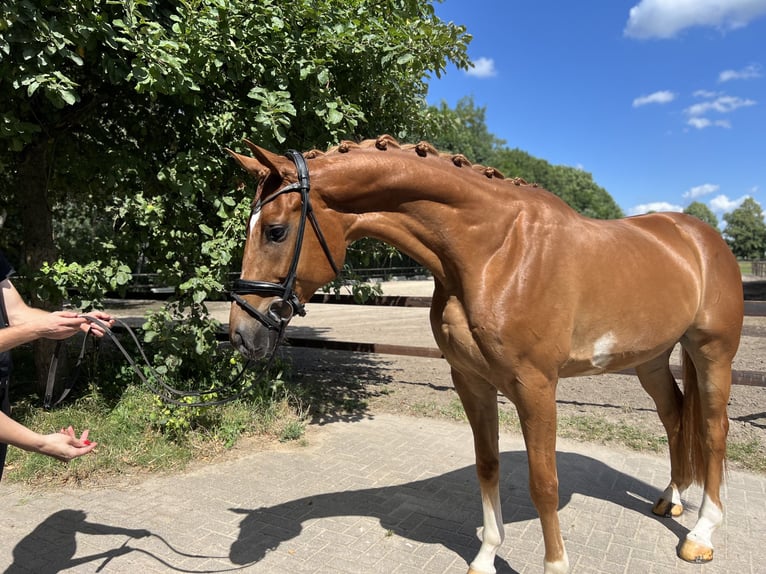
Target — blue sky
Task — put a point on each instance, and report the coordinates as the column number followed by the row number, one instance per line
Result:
column 662, row 101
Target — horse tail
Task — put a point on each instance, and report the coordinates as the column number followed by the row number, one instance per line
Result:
column 692, row 423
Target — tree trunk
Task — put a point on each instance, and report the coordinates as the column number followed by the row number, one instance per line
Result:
column 37, row 242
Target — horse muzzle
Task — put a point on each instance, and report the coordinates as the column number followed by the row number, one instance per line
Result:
column 253, row 341
column 256, row 333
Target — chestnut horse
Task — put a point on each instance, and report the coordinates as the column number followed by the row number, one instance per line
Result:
column 526, row 291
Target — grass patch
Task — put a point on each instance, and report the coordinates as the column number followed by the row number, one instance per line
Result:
column 130, row 441
column 452, row 411
column 749, row 455
column 599, row 430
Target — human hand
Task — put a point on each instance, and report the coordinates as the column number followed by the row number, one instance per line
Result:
column 64, row 445
column 58, row 324
column 94, row 327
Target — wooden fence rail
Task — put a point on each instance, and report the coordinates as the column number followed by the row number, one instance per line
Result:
column 740, row 377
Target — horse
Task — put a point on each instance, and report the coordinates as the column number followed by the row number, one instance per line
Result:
column 526, row 291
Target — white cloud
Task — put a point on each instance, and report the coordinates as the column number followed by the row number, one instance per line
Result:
column 666, row 18
column 722, row 104
column 700, row 190
column 482, row 68
column 746, row 73
column 707, row 94
column 702, row 123
column 722, row 203
column 661, row 97
column 654, row 206
column 716, row 103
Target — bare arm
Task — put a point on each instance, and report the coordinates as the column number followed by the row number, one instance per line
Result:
column 28, row 323
column 64, row 445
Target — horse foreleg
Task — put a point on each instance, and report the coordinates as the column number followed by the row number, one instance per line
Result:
column 658, row 381
column 479, row 400
column 535, row 400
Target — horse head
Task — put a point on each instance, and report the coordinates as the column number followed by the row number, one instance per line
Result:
column 284, row 263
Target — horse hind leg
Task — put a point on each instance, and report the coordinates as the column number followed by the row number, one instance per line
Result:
column 658, row 381
column 697, row 425
column 707, row 383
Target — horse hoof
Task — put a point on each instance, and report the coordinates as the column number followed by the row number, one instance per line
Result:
column 695, row 552
column 667, row 508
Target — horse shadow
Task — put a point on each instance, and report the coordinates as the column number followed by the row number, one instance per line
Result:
column 443, row 509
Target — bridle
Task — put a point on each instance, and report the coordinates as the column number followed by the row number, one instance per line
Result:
column 287, row 304
column 275, row 319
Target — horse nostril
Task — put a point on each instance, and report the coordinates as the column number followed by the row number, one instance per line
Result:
column 236, row 339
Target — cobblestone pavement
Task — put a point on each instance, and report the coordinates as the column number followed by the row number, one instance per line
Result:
column 384, row 494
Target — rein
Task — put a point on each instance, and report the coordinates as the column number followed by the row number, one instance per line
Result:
column 287, row 303
column 280, row 311
column 163, row 390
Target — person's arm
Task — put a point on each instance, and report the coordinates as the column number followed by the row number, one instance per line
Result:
column 64, row 445
column 28, row 323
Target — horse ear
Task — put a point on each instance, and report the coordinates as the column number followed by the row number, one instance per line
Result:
column 274, row 162
column 250, row 165
column 263, row 164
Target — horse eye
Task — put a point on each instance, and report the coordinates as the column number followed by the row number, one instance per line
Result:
column 276, row 233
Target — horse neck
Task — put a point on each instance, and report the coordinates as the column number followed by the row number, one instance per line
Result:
column 427, row 207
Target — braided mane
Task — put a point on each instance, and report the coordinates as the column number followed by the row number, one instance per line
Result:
column 422, row 149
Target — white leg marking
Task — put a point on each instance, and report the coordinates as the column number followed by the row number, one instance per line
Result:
column 709, row 519
column 491, row 534
column 672, row 494
column 559, row 567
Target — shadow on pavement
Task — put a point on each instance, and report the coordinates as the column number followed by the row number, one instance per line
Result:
column 55, row 538
column 436, row 510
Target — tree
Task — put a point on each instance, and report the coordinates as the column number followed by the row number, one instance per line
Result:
column 113, row 115
column 745, row 230
column 575, row 186
column 116, row 112
column 702, row 212
column 104, row 99
column 464, row 131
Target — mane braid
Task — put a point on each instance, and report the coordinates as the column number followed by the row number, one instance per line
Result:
column 422, row 149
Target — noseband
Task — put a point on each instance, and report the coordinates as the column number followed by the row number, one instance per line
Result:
column 287, row 303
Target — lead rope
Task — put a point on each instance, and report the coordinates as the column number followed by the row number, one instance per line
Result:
column 166, row 392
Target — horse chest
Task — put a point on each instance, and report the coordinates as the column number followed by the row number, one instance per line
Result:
column 458, row 340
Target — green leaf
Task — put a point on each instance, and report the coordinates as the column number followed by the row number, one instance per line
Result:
column 334, row 116
column 68, row 96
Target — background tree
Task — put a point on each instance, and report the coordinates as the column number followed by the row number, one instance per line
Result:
column 464, row 130
column 703, row 212
column 745, row 230
column 113, row 115
column 106, row 99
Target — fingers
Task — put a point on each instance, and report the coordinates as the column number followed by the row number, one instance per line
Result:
column 95, row 328
column 65, row 445
column 59, row 325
